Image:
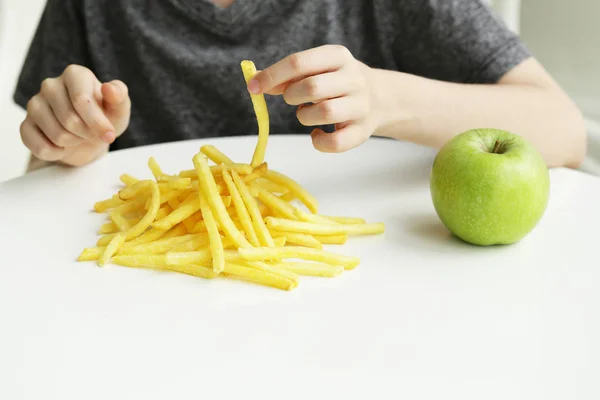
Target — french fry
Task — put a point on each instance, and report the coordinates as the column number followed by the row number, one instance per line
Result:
column 174, row 184
column 133, row 205
column 155, row 168
column 159, row 246
column 299, row 239
column 108, row 227
column 258, row 276
column 111, row 249
column 264, row 210
column 262, row 115
column 346, row 220
column 262, row 266
column 323, row 229
column 331, row 239
column 174, row 202
column 147, row 219
column 287, row 196
column 315, row 218
column 242, row 169
column 140, row 260
column 199, row 227
column 91, row 253
column 121, row 222
column 195, row 270
column 150, row 235
column 282, row 253
column 270, row 186
column 163, row 211
column 178, row 230
column 172, row 194
column 128, row 180
column 186, row 209
column 200, row 257
column 299, row 192
column 312, row 269
column 280, row 241
column 322, row 219
column 241, row 209
column 257, row 172
column 276, row 205
column 208, row 185
column 235, row 258
column 264, row 237
column 191, row 221
column 201, row 240
column 215, row 155
column 107, row 204
column 214, row 237
column 104, row 240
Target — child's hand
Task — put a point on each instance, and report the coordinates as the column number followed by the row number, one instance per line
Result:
column 75, row 117
column 338, row 87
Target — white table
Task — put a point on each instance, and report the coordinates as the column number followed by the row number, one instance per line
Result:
column 424, row 316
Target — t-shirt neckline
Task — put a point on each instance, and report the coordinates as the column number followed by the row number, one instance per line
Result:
column 234, row 20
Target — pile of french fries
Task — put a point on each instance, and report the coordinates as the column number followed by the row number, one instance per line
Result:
column 225, row 219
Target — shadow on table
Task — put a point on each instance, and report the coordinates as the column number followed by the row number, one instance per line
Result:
column 426, row 231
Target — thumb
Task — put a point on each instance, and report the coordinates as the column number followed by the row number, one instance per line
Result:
column 346, row 137
column 116, row 104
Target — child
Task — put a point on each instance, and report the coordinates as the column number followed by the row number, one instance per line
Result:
column 124, row 73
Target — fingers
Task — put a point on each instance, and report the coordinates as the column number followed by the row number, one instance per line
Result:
column 343, row 139
column 305, row 63
column 81, row 85
column 43, row 116
column 117, row 104
column 317, row 88
column 39, row 145
column 55, row 93
column 333, row 111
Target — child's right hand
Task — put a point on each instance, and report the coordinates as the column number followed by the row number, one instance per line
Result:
column 75, row 117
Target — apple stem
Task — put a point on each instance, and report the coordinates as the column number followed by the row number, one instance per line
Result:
column 496, row 147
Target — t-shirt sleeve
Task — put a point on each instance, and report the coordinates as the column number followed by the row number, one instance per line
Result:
column 456, row 40
column 59, row 41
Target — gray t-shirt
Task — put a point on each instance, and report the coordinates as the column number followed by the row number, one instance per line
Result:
column 181, row 58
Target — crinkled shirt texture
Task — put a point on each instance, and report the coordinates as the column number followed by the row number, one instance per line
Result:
column 181, row 58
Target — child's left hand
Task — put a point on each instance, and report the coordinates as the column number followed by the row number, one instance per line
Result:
column 337, row 85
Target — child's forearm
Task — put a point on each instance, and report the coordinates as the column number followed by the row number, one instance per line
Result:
column 430, row 112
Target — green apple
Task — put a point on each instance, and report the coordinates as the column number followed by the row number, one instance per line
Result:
column 489, row 186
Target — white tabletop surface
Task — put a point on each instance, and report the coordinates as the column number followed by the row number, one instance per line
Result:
column 424, row 316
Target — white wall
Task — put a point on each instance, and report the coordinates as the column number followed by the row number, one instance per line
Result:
column 565, row 36
column 18, row 19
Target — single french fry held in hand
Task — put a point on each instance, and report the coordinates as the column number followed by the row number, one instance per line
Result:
column 230, row 220
column 262, row 114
